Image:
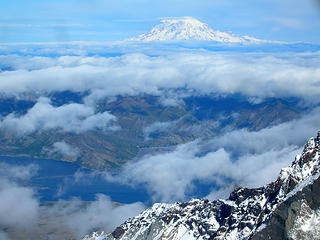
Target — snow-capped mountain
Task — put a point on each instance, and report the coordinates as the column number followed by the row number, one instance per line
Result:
column 188, row 28
column 288, row 208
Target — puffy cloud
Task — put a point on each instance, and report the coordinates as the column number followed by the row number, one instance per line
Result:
column 18, row 173
column 157, row 127
column 65, row 149
column 168, row 176
column 19, row 207
column 292, row 133
column 82, row 218
column 257, row 75
column 171, row 101
column 68, row 118
column 233, row 159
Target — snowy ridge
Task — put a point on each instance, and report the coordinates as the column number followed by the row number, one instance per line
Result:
column 247, row 214
column 301, row 172
column 188, row 28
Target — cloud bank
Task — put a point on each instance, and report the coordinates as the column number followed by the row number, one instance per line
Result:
column 233, row 159
column 172, row 75
column 20, row 208
column 251, row 74
column 82, row 218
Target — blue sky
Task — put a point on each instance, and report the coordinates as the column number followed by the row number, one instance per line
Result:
column 110, row 20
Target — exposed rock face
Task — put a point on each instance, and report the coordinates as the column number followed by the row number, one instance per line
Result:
column 288, row 208
column 298, row 217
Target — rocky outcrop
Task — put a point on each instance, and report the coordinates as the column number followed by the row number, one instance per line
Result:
column 288, row 208
column 298, row 217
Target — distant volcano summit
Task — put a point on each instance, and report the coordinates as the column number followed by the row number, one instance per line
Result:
column 191, row 29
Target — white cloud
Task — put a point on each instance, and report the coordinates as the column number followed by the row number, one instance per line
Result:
column 157, row 127
column 81, row 219
column 19, row 207
column 240, row 157
column 257, row 75
column 72, row 117
column 170, row 176
column 65, row 149
column 18, row 173
column 293, row 133
column 171, row 102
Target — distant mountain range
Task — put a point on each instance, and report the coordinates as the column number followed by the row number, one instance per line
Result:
column 191, row 29
column 288, row 208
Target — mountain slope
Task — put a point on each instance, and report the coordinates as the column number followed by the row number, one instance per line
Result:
column 98, row 149
column 188, row 28
column 288, row 208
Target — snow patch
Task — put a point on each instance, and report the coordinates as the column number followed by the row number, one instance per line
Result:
column 188, row 28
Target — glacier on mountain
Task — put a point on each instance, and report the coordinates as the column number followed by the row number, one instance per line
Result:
column 188, row 28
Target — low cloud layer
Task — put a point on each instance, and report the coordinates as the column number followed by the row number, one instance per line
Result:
column 19, row 207
column 251, row 74
column 18, row 173
column 234, row 159
column 169, row 74
column 82, row 218
column 21, row 211
column 225, row 162
column 72, row 117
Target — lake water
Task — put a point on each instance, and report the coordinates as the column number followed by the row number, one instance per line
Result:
column 55, row 180
column 63, row 180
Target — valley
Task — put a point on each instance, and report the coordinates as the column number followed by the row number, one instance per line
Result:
column 144, row 125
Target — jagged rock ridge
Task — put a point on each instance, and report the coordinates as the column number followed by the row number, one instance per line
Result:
column 188, row 28
column 288, row 208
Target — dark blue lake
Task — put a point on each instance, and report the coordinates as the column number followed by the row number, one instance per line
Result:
column 64, row 180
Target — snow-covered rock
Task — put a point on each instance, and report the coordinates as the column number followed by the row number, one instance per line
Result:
column 288, row 208
column 188, row 28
